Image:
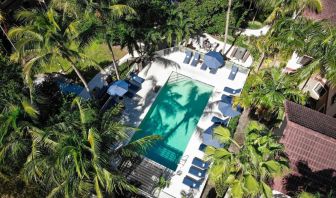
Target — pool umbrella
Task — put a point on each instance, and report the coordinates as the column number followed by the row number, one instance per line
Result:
column 208, row 138
column 118, row 88
column 213, row 60
column 227, row 110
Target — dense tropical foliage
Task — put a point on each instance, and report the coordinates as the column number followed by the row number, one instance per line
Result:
column 248, row 172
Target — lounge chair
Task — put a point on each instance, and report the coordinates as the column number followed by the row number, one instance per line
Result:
column 217, row 121
column 232, row 91
column 213, row 71
column 200, row 163
column 136, row 78
column 192, row 183
column 202, row 147
column 240, row 53
column 204, row 66
column 226, row 99
column 234, row 51
column 247, row 54
column 197, row 171
column 195, row 59
column 233, row 72
column 188, row 57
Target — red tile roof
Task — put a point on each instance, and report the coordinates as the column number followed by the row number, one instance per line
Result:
column 310, row 143
column 328, row 11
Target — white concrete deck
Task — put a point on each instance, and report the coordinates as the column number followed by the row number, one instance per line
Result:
column 157, row 73
column 229, row 47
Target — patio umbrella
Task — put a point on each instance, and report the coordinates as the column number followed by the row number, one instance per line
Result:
column 213, row 60
column 208, row 138
column 227, row 110
column 118, row 88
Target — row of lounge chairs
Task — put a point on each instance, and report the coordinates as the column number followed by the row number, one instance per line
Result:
column 198, row 169
column 195, row 61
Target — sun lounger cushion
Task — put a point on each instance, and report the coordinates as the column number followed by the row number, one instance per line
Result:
column 204, row 66
column 188, row 57
column 233, row 72
column 137, row 79
column 202, row 147
column 195, row 59
column 192, row 183
column 226, row 99
column 232, row 91
column 200, row 163
column 197, row 171
column 217, row 120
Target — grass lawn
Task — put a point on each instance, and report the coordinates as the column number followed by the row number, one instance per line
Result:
column 97, row 51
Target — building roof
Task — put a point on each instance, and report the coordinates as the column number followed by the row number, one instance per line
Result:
column 328, row 12
column 309, row 138
column 311, row 119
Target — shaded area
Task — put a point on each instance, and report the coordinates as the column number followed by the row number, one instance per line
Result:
column 144, row 174
column 305, row 179
column 174, row 116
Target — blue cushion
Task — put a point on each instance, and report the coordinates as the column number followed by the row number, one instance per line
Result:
column 200, row 163
column 192, row 183
column 197, row 171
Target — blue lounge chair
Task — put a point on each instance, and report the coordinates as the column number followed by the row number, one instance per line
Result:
column 195, row 59
column 217, row 120
column 200, row 163
column 188, row 57
column 204, row 66
column 197, row 171
column 192, row 183
column 213, row 71
column 136, row 78
column 202, row 147
column 232, row 91
column 226, row 99
column 233, row 72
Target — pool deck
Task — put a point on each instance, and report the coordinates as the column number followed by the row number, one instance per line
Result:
column 157, row 73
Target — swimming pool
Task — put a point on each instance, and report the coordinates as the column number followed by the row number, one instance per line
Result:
column 174, row 116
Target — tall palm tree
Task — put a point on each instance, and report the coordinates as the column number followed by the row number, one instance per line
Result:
column 249, row 172
column 15, row 122
column 47, row 38
column 2, row 19
column 266, row 92
column 107, row 13
column 293, row 7
column 227, row 21
column 76, row 156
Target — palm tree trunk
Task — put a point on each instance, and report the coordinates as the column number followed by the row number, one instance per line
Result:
column 306, row 82
column 113, row 60
column 240, row 133
column 78, row 74
column 3, row 31
column 227, row 24
column 261, row 61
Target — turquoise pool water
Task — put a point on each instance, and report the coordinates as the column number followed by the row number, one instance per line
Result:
column 174, row 116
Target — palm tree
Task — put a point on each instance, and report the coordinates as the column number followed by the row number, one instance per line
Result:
column 2, row 19
column 15, row 122
column 77, row 155
column 266, row 92
column 248, row 172
column 47, row 38
column 292, row 7
column 227, row 24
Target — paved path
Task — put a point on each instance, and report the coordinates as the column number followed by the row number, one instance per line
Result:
column 258, row 32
